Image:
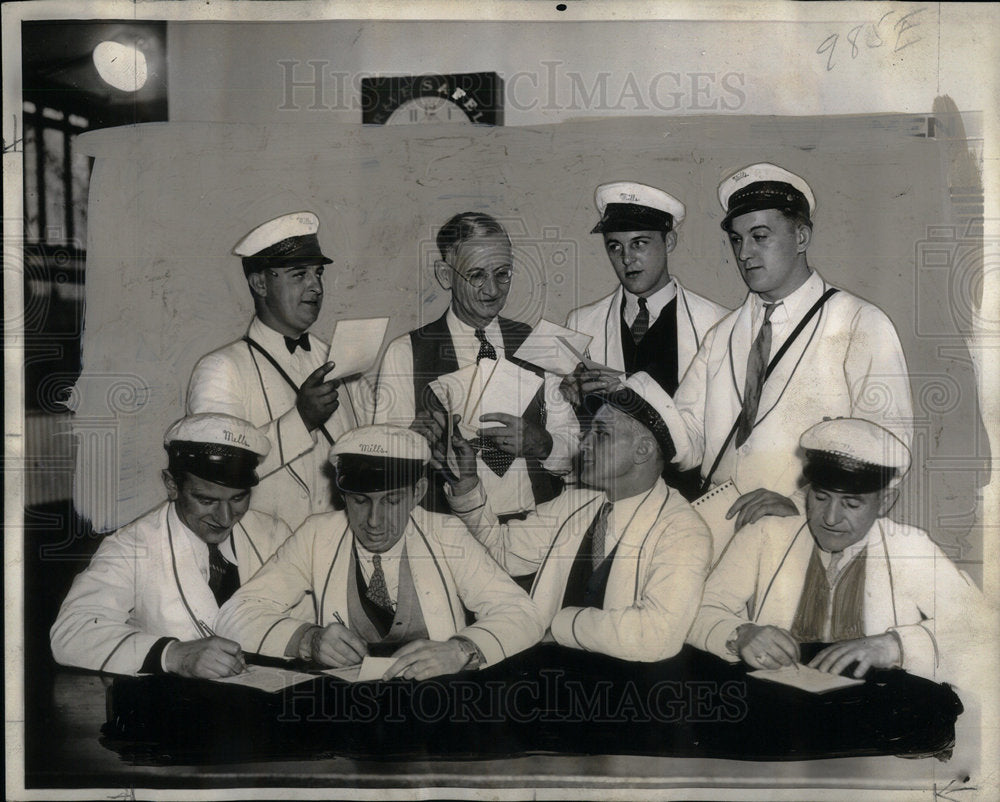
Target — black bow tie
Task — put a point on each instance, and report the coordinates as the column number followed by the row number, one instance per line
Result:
column 291, row 343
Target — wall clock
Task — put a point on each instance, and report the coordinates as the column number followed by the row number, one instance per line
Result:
column 474, row 97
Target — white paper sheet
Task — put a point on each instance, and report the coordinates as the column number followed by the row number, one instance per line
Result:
column 553, row 347
column 590, row 364
column 804, row 678
column 368, row 670
column 356, row 345
column 267, row 678
column 492, row 386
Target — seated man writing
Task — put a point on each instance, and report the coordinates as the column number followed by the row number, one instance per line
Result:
column 385, row 574
column 149, row 598
column 621, row 563
column 843, row 573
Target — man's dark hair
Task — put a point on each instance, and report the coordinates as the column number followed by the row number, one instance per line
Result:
column 465, row 226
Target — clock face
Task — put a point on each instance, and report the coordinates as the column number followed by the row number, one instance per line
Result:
column 461, row 98
column 430, row 109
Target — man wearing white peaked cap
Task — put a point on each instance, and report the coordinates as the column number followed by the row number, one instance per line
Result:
column 620, row 562
column 148, row 601
column 386, row 576
column 843, row 573
column 796, row 351
column 274, row 375
column 650, row 323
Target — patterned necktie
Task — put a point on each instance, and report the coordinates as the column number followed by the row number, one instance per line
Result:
column 486, row 349
column 600, row 534
column 496, row 460
column 641, row 323
column 760, row 351
column 223, row 576
column 833, row 569
column 291, row 343
column 377, row 591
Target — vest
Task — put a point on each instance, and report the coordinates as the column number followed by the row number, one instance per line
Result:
column 585, row 585
column 847, row 613
column 656, row 354
column 377, row 626
column 433, row 356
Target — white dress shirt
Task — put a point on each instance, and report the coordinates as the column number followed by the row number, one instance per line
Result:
column 654, row 303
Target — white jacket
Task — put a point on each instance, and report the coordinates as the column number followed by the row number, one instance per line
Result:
column 448, row 568
column 149, row 580
column 846, row 362
column 602, row 321
column 656, row 579
column 911, row 588
column 239, row 381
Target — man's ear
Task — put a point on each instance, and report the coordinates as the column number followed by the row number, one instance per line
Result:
column 889, row 497
column 420, row 490
column 645, row 449
column 803, row 235
column 258, row 284
column 670, row 240
column 442, row 272
column 173, row 490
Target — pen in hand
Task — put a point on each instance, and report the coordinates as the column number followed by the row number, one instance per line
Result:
column 207, row 630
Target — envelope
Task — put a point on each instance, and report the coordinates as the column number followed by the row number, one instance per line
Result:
column 356, row 345
column 553, row 347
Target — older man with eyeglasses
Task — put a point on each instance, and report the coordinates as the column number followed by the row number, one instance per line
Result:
column 523, row 457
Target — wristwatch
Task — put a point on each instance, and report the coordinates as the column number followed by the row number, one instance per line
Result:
column 474, row 657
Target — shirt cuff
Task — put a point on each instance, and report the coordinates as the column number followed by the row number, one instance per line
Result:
column 156, row 662
column 466, row 502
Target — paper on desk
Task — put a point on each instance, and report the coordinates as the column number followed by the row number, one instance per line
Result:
column 805, row 678
column 373, row 668
column 266, row 678
column 355, row 345
column 553, row 347
column 370, row 668
column 712, row 507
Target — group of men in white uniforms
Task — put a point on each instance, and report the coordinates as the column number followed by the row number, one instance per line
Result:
column 582, row 491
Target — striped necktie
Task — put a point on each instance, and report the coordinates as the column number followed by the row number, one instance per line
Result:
column 641, row 323
column 760, row 351
column 600, row 535
column 223, row 576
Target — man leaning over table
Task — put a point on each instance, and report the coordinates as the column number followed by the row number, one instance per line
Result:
column 843, row 573
column 621, row 562
column 386, row 575
column 148, row 601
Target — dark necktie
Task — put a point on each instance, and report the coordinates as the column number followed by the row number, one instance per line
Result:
column 223, row 576
column 486, row 349
column 760, row 352
column 291, row 343
column 597, row 549
column 496, row 460
column 378, row 592
column 641, row 323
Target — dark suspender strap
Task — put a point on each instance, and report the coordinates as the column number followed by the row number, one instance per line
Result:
column 281, row 372
column 770, row 369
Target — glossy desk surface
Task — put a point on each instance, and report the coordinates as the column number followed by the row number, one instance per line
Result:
column 65, row 749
